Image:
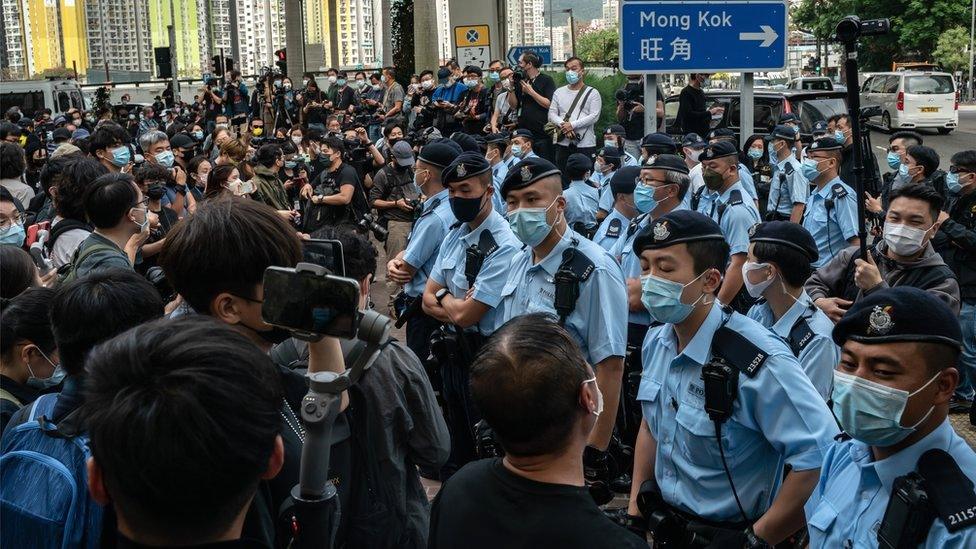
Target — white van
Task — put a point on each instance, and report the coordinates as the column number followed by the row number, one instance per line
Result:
column 913, row 99
column 34, row 95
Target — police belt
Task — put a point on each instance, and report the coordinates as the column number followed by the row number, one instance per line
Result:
column 676, row 527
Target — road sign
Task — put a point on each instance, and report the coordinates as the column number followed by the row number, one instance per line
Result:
column 472, row 45
column 544, row 53
column 663, row 37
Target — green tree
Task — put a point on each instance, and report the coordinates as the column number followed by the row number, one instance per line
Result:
column 102, row 99
column 56, row 72
column 952, row 49
column 598, row 46
column 402, row 38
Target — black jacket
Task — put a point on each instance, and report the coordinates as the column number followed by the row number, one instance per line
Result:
column 956, row 242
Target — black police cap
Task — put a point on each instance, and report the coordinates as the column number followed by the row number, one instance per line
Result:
column 788, row 117
column 782, row 132
column 624, row 181
column 522, row 133
column 693, row 141
column 825, row 144
column 440, row 153
column 903, row 313
column 819, row 128
column 610, row 154
column 676, row 227
column 500, row 137
column 578, row 164
column 668, row 162
column 718, row 149
column 658, row 143
column 615, row 129
column 784, row 233
column 466, row 142
column 721, row 133
column 467, row 165
column 526, row 173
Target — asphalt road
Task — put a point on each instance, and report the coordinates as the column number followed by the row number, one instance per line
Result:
column 963, row 137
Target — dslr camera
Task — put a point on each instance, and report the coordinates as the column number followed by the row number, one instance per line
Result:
column 369, row 222
column 629, row 95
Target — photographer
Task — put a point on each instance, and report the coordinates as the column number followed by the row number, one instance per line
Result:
column 391, row 107
column 503, row 117
column 236, row 100
column 445, row 98
column 395, row 197
column 371, row 99
column 533, row 93
column 630, row 112
column 338, row 197
column 474, row 104
column 573, row 114
column 345, row 96
column 421, row 115
column 313, row 106
column 269, row 189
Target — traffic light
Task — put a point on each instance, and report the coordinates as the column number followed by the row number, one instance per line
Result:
column 164, row 64
column 218, row 67
column 229, row 64
column 282, row 60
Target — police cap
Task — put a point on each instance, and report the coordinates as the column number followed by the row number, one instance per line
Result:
column 718, row 149
column 788, row 117
column 466, row 142
column 721, row 133
column 440, row 153
column 668, row 162
column 824, row 144
column 522, row 132
column 578, row 164
column 676, row 227
column 782, row 132
column 820, row 128
column 784, row 233
column 611, row 155
column 526, row 173
column 693, row 141
column 624, row 181
column 500, row 137
column 467, row 165
column 903, row 313
column 615, row 129
column 659, row 143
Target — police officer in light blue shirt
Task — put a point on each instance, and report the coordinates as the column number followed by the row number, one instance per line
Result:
column 606, row 164
column 788, row 189
column 778, row 264
column 499, row 154
column 900, row 347
column 727, row 135
column 555, row 266
column 522, row 146
column 764, row 412
column 728, row 205
column 614, row 136
column 613, row 228
column 831, row 211
column 465, row 289
column 413, row 265
column 581, row 195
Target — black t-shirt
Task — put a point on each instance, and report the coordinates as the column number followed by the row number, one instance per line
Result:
column 633, row 122
column 486, row 505
column 319, row 215
column 692, row 116
column 314, row 115
column 534, row 116
column 345, row 96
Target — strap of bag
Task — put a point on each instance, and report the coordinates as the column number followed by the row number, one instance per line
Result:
column 6, row 395
column 586, row 90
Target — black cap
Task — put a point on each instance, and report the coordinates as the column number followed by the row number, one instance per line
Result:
column 526, row 173
column 443, row 73
column 668, row 162
column 693, row 141
column 721, row 133
column 577, row 165
column 676, row 227
column 902, row 313
column 182, row 141
column 624, row 181
column 501, row 137
column 440, row 153
column 466, row 141
column 467, row 165
column 659, row 143
column 782, row 132
column 473, row 68
column 788, row 117
column 610, row 154
column 718, row 149
column 615, row 129
column 522, row 132
column 784, row 233
column 60, row 134
column 824, row 144
column 819, row 128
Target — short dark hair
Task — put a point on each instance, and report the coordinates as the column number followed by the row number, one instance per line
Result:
column 925, row 194
column 225, row 247
column 389, row 127
column 17, row 271
column 12, row 160
column 526, row 382
column 52, row 170
column 910, row 137
column 926, row 157
column 937, row 356
column 358, row 253
column 335, row 143
column 69, row 201
column 97, row 306
column 109, row 199
column 709, row 254
column 106, row 136
column 791, row 262
column 532, row 58
column 25, row 317
column 9, row 128
column 573, row 58
column 199, row 405
column 150, row 172
column 964, row 159
column 267, row 155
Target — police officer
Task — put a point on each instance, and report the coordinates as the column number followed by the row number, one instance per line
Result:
column 614, row 226
column 778, row 264
column 615, row 136
column 606, row 164
column 464, row 289
column 762, row 410
column 654, row 144
column 582, row 195
column 788, row 189
column 728, row 204
column 522, row 145
column 499, row 154
column 413, row 265
column 745, row 177
column 900, row 476
column 560, row 272
column 831, row 211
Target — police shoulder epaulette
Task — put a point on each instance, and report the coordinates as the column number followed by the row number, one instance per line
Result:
column 838, row 190
column 456, row 225
column 591, row 183
column 577, row 262
column 738, row 351
column 788, row 168
column 635, row 223
column 735, row 198
column 434, row 203
column 615, row 228
column 800, row 336
column 949, row 489
column 486, row 243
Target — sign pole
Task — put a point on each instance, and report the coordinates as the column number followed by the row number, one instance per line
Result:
column 650, row 102
column 745, row 109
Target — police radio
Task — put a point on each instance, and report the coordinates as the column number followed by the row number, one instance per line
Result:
column 567, row 292
column 909, row 514
column 721, row 387
column 474, row 258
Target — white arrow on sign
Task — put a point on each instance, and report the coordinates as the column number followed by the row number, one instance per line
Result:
column 768, row 36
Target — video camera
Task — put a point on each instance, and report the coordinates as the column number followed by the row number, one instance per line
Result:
column 851, row 28
column 518, row 74
column 630, row 94
column 355, row 152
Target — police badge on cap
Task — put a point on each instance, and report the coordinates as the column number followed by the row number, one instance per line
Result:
column 661, row 231
column 880, row 323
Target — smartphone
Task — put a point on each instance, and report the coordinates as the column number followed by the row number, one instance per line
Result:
column 325, row 253
column 34, row 229
column 310, row 303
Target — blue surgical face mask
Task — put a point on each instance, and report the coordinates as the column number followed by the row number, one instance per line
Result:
column 41, row 383
column 493, row 76
column 517, row 151
column 839, row 136
column 894, row 161
column 165, row 159
column 755, row 154
column 530, row 224
column 809, row 169
column 871, row 412
column 609, row 143
column 121, row 156
column 341, row 82
column 14, row 234
column 198, row 135
column 644, row 198
column 952, row 183
column 773, row 158
column 662, row 299
column 903, row 170
column 572, row 77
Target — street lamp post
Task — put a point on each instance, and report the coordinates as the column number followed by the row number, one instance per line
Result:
column 572, row 32
column 972, row 28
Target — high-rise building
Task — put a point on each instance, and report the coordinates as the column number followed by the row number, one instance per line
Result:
column 317, row 16
column 444, row 51
column 118, row 35
column 610, row 8
column 355, row 34
column 186, row 27
column 42, row 34
column 15, row 35
column 74, row 35
column 526, row 22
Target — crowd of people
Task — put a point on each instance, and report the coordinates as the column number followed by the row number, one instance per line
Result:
column 591, row 307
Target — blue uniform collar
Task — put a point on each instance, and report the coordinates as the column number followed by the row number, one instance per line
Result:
column 429, row 203
column 699, row 349
column 491, row 222
column 828, row 188
column 737, row 186
column 904, row 461
column 616, row 214
column 785, row 324
column 552, row 261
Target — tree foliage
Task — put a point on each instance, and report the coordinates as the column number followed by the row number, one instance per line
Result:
column 56, row 72
column 952, row 50
column 401, row 38
column 915, row 26
column 598, row 46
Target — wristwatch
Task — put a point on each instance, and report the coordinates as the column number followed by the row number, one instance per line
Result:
column 439, row 296
column 753, row 541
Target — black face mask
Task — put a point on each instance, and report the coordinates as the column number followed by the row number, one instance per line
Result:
column 273, row 336
column 156, row 191
column 466, row 209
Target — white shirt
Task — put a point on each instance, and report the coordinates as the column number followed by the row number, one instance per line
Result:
column 501, row 105
column 66, row 244
column 20, row 190
column 697, row 181
column 584, row 116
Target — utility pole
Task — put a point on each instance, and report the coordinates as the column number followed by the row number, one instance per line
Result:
column 174, row 65
column 552, row 42
column 972, row 28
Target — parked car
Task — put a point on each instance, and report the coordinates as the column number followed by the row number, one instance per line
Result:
column 913, row 99
column 810, row 106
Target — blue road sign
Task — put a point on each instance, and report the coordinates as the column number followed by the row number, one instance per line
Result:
column 662, row 37
column 544, row 52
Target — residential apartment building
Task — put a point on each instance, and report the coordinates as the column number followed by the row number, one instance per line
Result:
column 527, row 22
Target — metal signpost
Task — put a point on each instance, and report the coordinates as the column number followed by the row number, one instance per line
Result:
column 702, row 37
column 544, row 53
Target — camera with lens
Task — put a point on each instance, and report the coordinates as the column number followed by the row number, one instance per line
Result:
column 851, row 28
column 157, row 277
column 629, row 94
column 368, row 222
column 355, row 151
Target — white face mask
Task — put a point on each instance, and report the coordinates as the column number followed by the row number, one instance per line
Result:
column 904, row 240
column 296, row 139
column 695, row 153
column 599, row 396
column 755, row 290
column 427, row 84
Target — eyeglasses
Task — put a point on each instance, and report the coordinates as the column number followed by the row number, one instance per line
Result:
column 650, row 182
column 5, row 222
column 957, row 169
column 144, row 203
